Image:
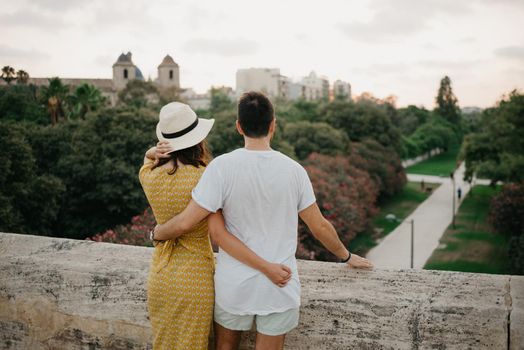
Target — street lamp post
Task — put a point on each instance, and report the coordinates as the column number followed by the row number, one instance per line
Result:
column 451, row 175
column 412, row 240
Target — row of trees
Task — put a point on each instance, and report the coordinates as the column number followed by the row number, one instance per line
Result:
column 87, row 157
column 9, row 74
column 496, row 151
column 76, row 178
column 49, row 104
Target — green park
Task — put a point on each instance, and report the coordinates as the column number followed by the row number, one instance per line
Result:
column 82, row 154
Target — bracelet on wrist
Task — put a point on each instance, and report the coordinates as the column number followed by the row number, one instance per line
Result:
column 152, row 234
column 346, row 260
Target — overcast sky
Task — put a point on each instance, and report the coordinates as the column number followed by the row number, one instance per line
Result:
column 386, row 47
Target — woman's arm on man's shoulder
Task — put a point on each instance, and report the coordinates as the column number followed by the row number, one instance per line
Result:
column 150, row 155
column 278, row 274
column 161, row 150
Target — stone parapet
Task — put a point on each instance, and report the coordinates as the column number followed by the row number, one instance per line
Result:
column 67, row 294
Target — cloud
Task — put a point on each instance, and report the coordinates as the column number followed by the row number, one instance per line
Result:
column 199, row 17
column 58, row 5
column 381, row 69
column 449, row 65
column 105, row 60
column 221, row 47
column 395, row 19
column 467, row 40
column 136, row 18
column 16, row 55
column 512, row 52
column 29, row 18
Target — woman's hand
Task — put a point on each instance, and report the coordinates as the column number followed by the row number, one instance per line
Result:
column 162, row 149
column 359, row 262
column 277, row 273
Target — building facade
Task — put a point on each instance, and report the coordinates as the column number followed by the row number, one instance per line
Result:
column 315, row 87
column 341, row 90
column 266, row 80
column 168, row 73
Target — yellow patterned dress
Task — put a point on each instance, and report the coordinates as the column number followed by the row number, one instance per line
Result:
column 180, row 287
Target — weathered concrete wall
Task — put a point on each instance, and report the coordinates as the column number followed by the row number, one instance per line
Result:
column 66, row 294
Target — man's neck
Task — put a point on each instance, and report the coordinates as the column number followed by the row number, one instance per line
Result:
column 259, row 144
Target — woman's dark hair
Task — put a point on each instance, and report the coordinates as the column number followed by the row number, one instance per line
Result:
column 197, row 155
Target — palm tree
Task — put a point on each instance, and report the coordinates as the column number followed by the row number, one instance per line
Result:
column 8, row 74
column 53, row 95
column 22, row 77
column 85, row 98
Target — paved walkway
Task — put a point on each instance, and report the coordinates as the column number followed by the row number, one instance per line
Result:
column 431, row 219
column 439, row 179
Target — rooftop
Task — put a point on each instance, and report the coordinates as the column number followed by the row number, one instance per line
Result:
column 168, row 61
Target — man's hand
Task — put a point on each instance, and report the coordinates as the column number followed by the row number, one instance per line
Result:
column 278, row 274
column 359, row 262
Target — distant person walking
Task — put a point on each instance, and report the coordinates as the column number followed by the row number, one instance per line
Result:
column 459, row 193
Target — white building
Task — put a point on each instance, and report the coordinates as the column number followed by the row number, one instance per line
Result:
column 315, row 87
column 342, row 89
column 296, row 91
column 203, row 101
column 195, row 100
column 266, row 80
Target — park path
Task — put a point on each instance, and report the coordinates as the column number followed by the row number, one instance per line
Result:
column 431, row 219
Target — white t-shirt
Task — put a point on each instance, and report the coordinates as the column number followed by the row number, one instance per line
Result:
column 260, row 194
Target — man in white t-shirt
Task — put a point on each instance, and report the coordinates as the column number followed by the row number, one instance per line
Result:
column 261, row 194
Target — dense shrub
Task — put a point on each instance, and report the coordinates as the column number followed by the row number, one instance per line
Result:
column 134, row 233
column 346, row 196
column 307, row 138
column 496, row 151
column 516, row 254
column 506, row 216
column 21, row 103
column 382, row 164
column 409, row 118
column 435, row 133
column 363, row 119
column 75, row 178
column 506, row 213
column 29, row 199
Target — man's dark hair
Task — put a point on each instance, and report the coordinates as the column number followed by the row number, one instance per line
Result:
column 255, row 114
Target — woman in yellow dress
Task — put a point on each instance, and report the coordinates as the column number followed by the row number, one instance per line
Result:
column 180, row 286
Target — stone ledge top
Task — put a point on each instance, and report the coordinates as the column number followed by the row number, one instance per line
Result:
column 67, row 293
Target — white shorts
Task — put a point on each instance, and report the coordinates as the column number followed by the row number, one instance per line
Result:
column 277, row 323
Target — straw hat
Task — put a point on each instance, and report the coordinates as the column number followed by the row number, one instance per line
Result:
column 181, row 127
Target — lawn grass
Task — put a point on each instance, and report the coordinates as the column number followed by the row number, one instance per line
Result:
column 471, row 246
column 400, row 205
column 440, row 165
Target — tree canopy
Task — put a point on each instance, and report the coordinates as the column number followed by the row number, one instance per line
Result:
column 447, row 102
column 496, row 151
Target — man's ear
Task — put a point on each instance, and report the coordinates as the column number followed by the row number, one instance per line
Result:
column 239, row 128
column 273, row 126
